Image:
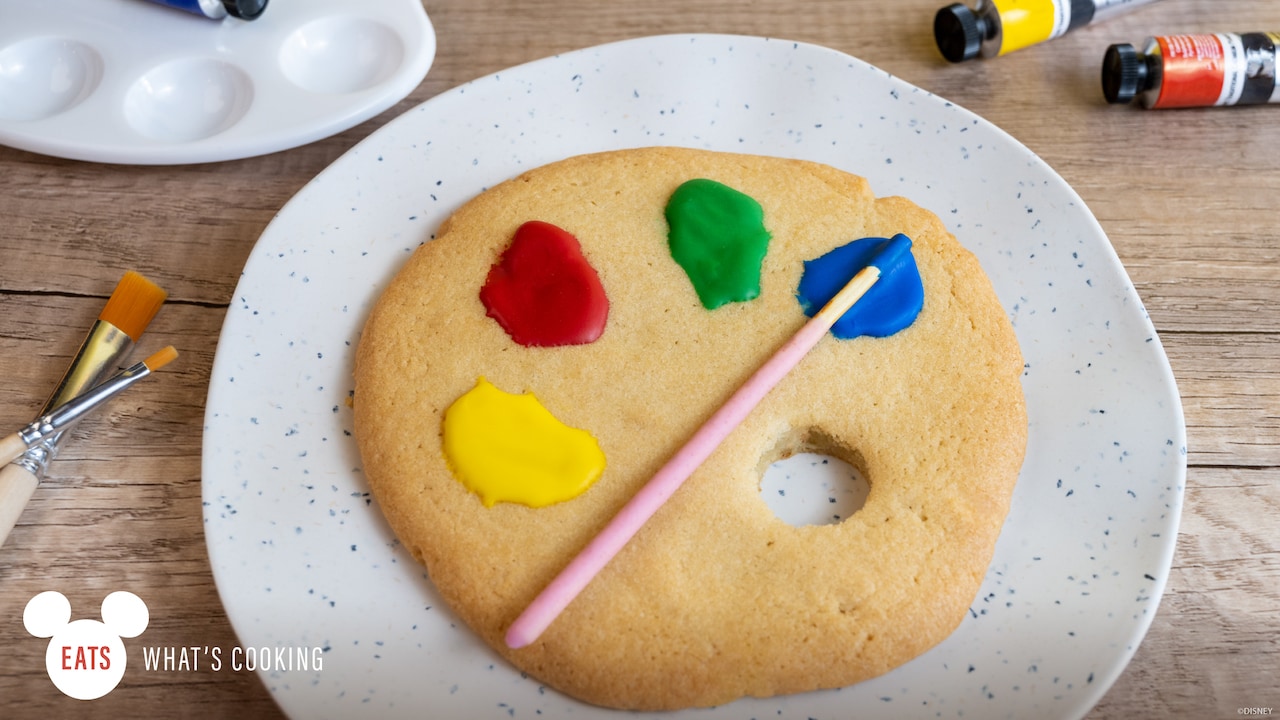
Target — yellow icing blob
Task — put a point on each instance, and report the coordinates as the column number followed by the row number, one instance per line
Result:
column 509, row 448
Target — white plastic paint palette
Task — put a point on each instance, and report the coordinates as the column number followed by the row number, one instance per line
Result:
column 130, row 81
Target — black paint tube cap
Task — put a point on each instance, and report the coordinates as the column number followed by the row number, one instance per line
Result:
column 1124, row 74
column 958, row 32
column 245, row 9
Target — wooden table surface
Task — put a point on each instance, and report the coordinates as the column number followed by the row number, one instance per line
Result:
column 1190, row 200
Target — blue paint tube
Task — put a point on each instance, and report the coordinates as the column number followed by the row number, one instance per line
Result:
column 219, row 9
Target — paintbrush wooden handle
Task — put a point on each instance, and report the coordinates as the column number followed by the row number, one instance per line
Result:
column 11, row 448
column 16, row 486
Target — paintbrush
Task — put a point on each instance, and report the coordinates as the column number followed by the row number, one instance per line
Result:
column 548, row 605
column 128, row 312
column 124, row 318
column 77, row 408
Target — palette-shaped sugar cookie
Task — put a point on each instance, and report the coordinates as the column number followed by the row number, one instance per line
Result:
column 715, row 598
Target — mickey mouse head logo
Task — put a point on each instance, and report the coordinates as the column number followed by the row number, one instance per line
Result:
column 86, row 658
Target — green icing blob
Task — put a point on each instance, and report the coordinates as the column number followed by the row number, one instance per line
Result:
column 717, row 235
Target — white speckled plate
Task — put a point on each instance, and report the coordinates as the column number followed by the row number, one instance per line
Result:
column 129, row 81
column 303, row 557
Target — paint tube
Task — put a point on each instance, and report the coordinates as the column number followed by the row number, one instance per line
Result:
column 998, row 27
column 219, row 9
column 1204, row 70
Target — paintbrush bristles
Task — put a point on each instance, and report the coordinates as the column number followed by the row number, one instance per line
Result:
column 160, row 358
column 133, row 304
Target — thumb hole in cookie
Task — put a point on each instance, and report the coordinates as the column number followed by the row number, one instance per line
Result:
column 809, row 480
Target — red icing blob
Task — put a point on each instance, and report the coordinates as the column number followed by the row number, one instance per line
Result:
column 543, row 292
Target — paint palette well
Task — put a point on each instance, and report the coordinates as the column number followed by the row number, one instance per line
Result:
column 303, row 557
column 129, row 81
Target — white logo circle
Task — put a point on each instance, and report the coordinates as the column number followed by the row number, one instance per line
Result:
column 86, row 658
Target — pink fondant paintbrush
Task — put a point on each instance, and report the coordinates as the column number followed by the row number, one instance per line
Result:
column 548, row 605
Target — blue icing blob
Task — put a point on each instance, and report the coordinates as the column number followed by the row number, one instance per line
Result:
column 889, row 306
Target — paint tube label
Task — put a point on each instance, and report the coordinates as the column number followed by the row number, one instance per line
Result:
column 1260, row 74
column 1234, row 69
column 1103, row 9
column 1086, row 12
column 1275, row 67
column 1061, row 18
column 1217, row 70
column 1079, row 13
column 208, row 8
column 1027, row 22
column 1194, row 71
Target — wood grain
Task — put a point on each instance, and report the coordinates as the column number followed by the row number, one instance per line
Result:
column 1189, row 199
